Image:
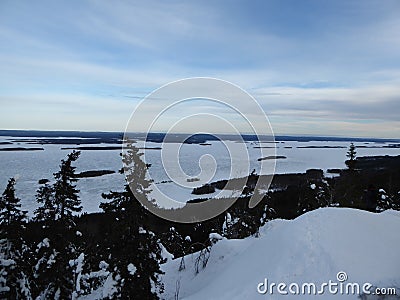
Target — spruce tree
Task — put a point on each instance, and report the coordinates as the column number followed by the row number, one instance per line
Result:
column 14, row 281
column 135, row 253
column 47, row 212
column 135, row 170
column 351, row 155
column 66, row 196
column 387, row 201
column 11, row 215
column 313, row 195
column 53, row 271
column 46, row 256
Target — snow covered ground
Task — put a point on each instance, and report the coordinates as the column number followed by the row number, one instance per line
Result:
column 313, row 248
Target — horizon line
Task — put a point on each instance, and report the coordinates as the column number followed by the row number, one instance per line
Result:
column 227, row 134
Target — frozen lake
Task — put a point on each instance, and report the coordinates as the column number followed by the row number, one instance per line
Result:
column 30, row 166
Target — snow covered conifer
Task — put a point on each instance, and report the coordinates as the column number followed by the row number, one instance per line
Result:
column 52, row 271
column 176, row 243
column 135, row 253
column 55, row 271
column 386, row 201
column 14, row 282
column 313, row 195
column 240, row 224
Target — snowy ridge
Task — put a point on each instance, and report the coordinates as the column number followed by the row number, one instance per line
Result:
column 312, row 248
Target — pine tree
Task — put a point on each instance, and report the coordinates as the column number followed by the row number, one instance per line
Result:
column 351, row 155
column 14, row 282
column 66, row 196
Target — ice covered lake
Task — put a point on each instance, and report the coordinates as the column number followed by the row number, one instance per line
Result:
column 30, row 166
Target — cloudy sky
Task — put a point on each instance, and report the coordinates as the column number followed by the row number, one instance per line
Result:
column 315, row 67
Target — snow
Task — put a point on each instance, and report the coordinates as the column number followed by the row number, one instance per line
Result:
column 165, row 254
column 6, row 262
column 44, row 243
column 188, row 239
column 78, row 263
column 315, row 247
column 51, row 259
column 109, row 288
column 382, row 191
column 228, row 220
column 215, row 236
column 103, row 265
column 78, row 233
column 131, row 269
column 313, row 186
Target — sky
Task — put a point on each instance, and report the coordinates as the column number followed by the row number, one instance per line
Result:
column 327, row 68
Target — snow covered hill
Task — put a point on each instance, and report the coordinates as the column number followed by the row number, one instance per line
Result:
column 361, row 246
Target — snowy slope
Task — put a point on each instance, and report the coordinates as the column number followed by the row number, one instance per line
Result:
column 312, row 248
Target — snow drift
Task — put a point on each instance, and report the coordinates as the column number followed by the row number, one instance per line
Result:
column 313, row 248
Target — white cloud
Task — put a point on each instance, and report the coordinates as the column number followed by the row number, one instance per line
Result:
column 342, row 69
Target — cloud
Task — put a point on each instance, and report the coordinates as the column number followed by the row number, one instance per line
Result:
column 309, row 62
